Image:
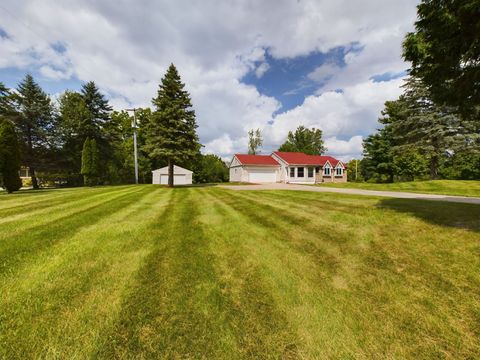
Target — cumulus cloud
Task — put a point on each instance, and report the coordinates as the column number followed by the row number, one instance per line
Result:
column 261, row 69
column 126, row 49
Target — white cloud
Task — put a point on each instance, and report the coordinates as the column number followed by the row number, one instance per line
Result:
column 349, row 113
column 261, row 69
column 126, row 50
column 323, row 72
column 345, row 150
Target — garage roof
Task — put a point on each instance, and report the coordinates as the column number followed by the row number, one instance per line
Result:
column 264, row 160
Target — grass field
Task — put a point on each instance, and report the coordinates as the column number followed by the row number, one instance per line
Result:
column 148, row 272
column 442, row 187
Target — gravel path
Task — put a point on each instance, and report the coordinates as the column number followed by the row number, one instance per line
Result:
column 394, row 194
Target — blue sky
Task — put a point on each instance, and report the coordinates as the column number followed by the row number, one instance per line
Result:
column 272, row 65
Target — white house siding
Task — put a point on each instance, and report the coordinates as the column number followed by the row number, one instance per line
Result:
column 238, row 174
column 181, row 176
column 246, row 173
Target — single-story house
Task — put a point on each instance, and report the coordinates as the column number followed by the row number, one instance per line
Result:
column 287, row 167
column 181, row 176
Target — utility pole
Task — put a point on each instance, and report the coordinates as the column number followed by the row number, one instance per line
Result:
column 135, row 156
column 356, row 169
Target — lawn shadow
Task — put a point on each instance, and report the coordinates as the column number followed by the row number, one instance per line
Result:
column 457, row 215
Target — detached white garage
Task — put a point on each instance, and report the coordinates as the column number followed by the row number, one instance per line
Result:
column 181, row 176
column 254, row 169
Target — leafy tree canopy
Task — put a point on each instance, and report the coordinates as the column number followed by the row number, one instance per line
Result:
column 308, row 141
column 445, row 52
column 255, row 141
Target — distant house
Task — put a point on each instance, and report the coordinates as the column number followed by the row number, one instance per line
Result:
column 181, row 176
column 287, row 167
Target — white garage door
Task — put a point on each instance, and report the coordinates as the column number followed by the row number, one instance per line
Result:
column 262, row 176
column 180, row 179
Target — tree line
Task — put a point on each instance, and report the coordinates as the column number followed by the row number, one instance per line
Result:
column 79, row 139
column 433, row 129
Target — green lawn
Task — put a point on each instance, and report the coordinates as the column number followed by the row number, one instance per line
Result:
column 442, row 187
column 149, row 272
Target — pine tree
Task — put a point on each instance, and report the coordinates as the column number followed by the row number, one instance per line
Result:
column 424, row 127
column 34, row 123
column 101, row 127
column 171, row 132
column 9, row 157
column 6, row 106
column 90, row 163
column 96, row 103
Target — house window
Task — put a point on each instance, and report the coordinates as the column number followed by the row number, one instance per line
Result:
column 317, row 169
column 300, row 172
column 326, row 171
column 310, row 172
column 339, row 171
column 292, row 172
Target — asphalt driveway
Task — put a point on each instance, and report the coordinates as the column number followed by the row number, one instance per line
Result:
column 393, row 194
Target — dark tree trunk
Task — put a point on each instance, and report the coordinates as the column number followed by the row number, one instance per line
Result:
column 30, row 157
column 34, row 178
column 433, row 167
column 170, row 173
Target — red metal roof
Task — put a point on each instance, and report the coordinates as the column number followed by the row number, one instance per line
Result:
column 298, row 158
column 266, row 160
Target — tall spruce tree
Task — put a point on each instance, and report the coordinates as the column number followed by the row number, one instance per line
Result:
column 35, row 122
column 422, row 126
column 90, row 164
column 9, row 157
column 6, row 106
column 101, row 128
column 171, row 132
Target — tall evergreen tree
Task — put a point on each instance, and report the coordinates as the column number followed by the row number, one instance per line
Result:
column 422, row 126
column 106, row 132
column 90, row 164
column 171, row 132
column 308, row 141
column 35, row 122
column 6, row 106
column 96, row 103
column 377, row 162
column 9, row 157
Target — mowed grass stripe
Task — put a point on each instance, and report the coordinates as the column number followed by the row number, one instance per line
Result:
column 22, row 245
column 46, row 210
column 301, row 284
column 62, row 303
column 377, row 285
column 260, row 326
column 176, row 308
column 30, row 197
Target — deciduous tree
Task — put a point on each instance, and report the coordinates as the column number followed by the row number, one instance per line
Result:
column 445, row 52
column 308, row 141
column 255, row 141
